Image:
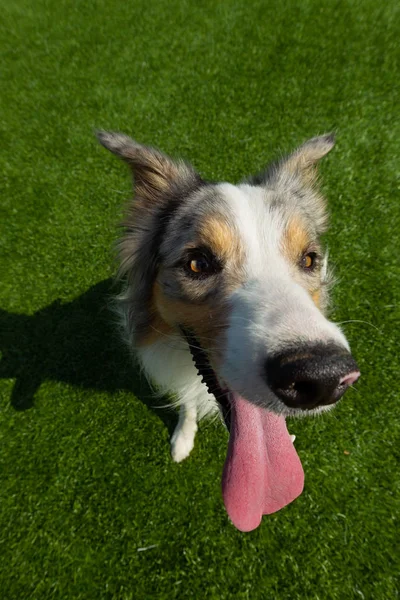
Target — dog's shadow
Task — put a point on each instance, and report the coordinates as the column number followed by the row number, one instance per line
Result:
column 76, row 343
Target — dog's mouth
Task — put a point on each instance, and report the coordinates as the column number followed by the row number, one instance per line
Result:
column 262, row 471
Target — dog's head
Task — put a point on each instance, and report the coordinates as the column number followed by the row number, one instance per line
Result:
column 242, row 268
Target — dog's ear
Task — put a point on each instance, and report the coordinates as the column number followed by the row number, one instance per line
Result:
column 154, row 173
column 303, row 161
column 294, row 177
column 298, row 166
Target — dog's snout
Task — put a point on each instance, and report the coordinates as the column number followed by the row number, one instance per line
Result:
column 311, row 376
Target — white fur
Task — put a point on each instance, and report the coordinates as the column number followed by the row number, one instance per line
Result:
column 182, row 440
column 270, row 309
column 169, row 364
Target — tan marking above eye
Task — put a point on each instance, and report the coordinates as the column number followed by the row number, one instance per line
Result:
column 221, row 238
column 295, row 239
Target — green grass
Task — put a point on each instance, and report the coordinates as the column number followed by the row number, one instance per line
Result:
column 86, row 481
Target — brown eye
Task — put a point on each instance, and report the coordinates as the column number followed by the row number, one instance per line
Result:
column 199, row 265
column 308, row 260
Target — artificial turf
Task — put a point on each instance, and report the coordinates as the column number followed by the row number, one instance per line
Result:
column 91, row 505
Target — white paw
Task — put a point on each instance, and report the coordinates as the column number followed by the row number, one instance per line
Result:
column 292, row 437
column 181, row 445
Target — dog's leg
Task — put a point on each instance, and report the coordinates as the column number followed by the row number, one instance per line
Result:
column 169, row 364
column 182, row 439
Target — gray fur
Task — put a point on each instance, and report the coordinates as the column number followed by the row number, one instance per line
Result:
column 293, row 179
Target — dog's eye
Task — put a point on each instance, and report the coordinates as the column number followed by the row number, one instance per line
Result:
column 309, row 260
column 199, row 265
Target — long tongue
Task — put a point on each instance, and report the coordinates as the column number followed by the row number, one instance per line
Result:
column 262, row 471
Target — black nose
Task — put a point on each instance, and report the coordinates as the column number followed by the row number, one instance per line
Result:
column 311, row 375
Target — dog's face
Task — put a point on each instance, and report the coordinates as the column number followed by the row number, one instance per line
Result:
column 243, row 269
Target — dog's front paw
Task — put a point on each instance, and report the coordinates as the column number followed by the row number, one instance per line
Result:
column 181, row 444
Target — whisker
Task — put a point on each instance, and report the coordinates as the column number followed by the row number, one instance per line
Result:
column 359, row 321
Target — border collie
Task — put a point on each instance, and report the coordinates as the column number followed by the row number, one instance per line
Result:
column 231, row 282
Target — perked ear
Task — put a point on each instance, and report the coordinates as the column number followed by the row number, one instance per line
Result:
column 154, row 173
column 303, row 161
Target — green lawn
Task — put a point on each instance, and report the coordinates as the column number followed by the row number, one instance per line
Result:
column 91, row 505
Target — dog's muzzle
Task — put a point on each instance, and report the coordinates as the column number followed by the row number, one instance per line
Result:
column 311, row 376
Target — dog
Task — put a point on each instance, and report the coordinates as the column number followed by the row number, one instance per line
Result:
column 231, row 282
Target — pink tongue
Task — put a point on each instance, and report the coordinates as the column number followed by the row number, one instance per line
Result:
column 262, row 471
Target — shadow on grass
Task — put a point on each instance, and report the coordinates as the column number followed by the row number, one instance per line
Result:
column 76, row 343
